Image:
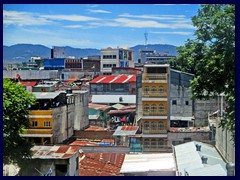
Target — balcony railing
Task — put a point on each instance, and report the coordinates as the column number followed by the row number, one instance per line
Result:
column 149, row 76
column 144, row 131
column 164, row 113
column 154, row 94
column 155, row 148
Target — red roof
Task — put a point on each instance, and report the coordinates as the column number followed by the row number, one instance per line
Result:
column 129, row 128
column 96, row 128
column 101, row 164
column 114, row 79
column 83, row 143
column 28, row 83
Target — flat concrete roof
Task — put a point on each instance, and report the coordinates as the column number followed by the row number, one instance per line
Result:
column 148, row 162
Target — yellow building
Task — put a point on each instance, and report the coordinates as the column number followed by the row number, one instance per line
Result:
column 41, row 125
column 155, row 119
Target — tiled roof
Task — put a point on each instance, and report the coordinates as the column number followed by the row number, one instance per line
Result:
column 100, row 164
column 114, row 79
column 53, row 152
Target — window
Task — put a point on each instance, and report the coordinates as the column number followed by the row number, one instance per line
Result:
column 153, row 143
column 146, row 143
column 160, row 143
column 154, row 89
column 161, row 90
column 146, row 108
column 154, row 108
column 46, row 124
column 186, row 102
column 146, row 89
column 146, row 125
column 174, row 102
column 161, row 108
column 34, row 123
column 160, row 126
column 154, row 126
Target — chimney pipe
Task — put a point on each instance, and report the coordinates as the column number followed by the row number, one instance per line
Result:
column 204, row 160
column 230, row 169
column 198, row 147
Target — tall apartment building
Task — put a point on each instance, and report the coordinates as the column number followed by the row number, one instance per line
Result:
column 155, row 107
column 119, row 57
column 58, row 52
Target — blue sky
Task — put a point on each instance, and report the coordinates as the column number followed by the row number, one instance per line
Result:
column 97, row 25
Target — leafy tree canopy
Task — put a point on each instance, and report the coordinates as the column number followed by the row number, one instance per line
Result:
column 211, row 55
column 16, row 101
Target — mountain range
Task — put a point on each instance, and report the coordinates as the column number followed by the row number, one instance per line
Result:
column 23, row 52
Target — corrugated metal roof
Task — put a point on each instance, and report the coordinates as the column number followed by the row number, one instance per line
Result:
column 215, row 170
column 181, row 118
column 93, row 117
column 100, row 164
column 129, row 99
column 53, row 152
column 28, row 83
column 118, row 106
column 121, row 111
column 125, row 130
column 148, row 162
column 47, row 95
column 96, row 128
column 114, row 79
column 188, row 159
column 101, row 107
column 154, row 135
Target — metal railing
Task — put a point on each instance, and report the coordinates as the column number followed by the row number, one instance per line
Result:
column 150, row 131
column 154, row 94
column 150, row 76
column 145, row 113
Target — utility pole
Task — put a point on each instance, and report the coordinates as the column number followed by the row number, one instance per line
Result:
column 146, row 37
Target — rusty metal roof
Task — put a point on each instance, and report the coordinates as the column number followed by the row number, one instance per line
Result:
column 100, row 164
column 96, row 128
column 53, row 152
column 101, row 107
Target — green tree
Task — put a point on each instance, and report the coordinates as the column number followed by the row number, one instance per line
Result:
column 210, row 56
column 16, row 101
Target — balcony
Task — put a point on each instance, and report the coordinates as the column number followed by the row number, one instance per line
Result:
column 150, row 131
column 154, row 94
column 154, row 78
column 38, row 131
column 149, row 113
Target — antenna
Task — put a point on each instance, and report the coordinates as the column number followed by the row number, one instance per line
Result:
column 146, row 37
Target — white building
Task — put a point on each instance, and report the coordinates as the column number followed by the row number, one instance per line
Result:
column 119, row 57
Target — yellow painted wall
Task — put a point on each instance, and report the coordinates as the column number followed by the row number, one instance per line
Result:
column 165, row 85
column 165, row 103
column 40, row 112
column 154, row 120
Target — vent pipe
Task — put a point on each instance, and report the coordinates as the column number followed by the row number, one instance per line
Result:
column 198, row 147
column 230, row 169
column 204, row 160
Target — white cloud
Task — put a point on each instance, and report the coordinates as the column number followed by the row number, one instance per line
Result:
column 99, row 11
column 156, row 17
column 176, row 32
column 74, row 26
column 125, row 22
column 60, row 17
column 23, row 19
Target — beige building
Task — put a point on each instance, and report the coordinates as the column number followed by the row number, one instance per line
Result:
column 119, row 57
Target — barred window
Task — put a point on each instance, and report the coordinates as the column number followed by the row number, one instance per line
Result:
column 160, row 125
column 161, row 108
column 146, row 108
column 154, row 108
column 154, row 126
column 46, row 124
column 146, row 125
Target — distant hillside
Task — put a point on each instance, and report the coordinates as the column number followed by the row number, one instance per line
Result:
column 23, row 52
column 160, row 48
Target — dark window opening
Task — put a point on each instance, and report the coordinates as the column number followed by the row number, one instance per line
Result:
column 186, row 103
column 174, row 102
column 61, row 169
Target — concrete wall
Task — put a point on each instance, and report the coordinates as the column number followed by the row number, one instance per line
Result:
column 225, row 145
column 81, row 111
column 195, row 136
column 203, row 107
column 59, row 124
column 32, row 74
column 181, row 95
